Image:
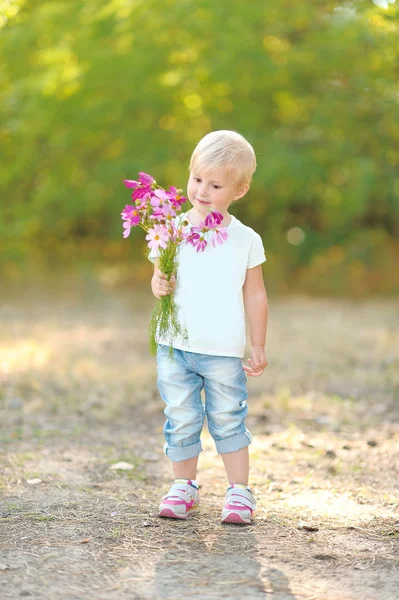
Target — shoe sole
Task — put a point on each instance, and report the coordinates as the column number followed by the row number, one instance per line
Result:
column 236, row 518
column 169, row 514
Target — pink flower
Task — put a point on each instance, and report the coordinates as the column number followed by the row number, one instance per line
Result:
column 131, row 214
column 144, row 199
column 193, row 235
column 220, row 235
column 201, row 229
column 158, row 198
column 130, row 183
column 127, row 227
column 197, row 235
column 140, row 192
column 168, row 211
column 146, row 180
column 161, row 207
column 175, row 196
column 201, row 244
column 141, row 187
column 158, row 237
column 177, row 234
column 197, row 239
column 157, row 215
column 213, row 219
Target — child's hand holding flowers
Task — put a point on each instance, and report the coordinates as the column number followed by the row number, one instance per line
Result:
column 160, row 285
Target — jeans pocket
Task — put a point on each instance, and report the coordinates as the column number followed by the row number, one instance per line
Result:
column 164, row 352
column 161, row 351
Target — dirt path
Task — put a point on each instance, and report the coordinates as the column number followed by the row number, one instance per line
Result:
column 78, row 394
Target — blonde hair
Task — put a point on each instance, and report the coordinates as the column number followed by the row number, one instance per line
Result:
column 227, row 149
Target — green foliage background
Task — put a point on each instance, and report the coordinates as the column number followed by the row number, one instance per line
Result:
column 93, row 91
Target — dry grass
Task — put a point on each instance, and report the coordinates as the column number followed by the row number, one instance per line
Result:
column 78, row 393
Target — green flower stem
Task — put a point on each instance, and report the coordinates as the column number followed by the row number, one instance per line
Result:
column 164, row 321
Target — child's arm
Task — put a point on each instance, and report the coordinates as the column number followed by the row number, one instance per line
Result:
column 257, row 309
column 160, row 285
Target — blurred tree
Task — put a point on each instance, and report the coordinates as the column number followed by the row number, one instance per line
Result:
column 92, row 91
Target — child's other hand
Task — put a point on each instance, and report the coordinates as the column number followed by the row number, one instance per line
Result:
column 160, row 284
column 258, row 362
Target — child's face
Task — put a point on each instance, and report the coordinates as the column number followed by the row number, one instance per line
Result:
column 214, row 191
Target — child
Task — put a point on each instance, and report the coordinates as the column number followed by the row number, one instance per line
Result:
column 211, row 290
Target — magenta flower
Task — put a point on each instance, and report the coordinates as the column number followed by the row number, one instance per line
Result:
column 175, row 196
column 150, row 205
column 201, row 244
column 193, row 234
column 146, row 180
column 131, row 214
column 140, row 192
column 130, row 183
column 196, row 238
column 158, row 236
column 197, row 235
column 141, row 187
column 213, row 219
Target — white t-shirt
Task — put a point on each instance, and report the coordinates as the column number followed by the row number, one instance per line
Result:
column 208, row 291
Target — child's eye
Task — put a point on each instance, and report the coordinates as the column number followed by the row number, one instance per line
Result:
column 197, row 179
column 217, row 187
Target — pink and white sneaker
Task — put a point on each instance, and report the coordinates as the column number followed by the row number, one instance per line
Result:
column 181, row 500
column 239, row 506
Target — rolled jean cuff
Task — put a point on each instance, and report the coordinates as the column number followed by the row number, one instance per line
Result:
column 233, row 443
column 179, row 453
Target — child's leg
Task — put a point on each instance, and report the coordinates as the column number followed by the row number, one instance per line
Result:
column 186, row 469
column 240, row 502
column 226, row 409
column 226, row 396
column 237, row 466
column 180, row 387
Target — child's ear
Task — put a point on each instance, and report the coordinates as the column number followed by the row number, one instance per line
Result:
column 241, row 191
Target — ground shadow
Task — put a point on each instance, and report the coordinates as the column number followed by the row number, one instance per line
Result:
column 223, row 562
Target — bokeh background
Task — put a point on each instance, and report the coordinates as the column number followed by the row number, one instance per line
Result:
column 93, row 91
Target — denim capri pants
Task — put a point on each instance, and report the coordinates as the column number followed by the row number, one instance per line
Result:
column 181, row 379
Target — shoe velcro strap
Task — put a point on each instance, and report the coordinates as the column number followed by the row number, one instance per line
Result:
column 182, row 491
column 241, row 495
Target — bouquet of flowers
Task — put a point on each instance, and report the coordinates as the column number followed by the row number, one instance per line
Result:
column 154, row 209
